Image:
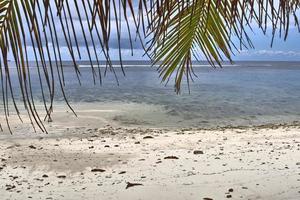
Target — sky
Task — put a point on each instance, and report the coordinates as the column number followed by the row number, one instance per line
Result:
column 288, row 50
column 281, row 50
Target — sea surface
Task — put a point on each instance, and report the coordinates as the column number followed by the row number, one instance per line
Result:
column 246, row 93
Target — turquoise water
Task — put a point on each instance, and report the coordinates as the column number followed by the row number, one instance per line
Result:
column 245, row 94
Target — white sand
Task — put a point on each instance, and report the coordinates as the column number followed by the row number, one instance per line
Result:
column 256, row 163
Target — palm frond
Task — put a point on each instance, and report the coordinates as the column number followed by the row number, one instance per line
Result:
column 182, row 31
column 32, row 23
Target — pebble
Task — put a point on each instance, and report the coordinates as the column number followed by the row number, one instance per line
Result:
column 32, row 147
column 148, row 137
column 197, row 152
column 171, row 157
column 98, row 170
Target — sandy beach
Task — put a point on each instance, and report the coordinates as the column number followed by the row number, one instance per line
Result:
column 81, row 160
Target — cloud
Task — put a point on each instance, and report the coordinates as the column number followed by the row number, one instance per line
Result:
column 269, row 54
column 265, row 52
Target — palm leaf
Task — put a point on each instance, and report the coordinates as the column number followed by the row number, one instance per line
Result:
column 181, row 31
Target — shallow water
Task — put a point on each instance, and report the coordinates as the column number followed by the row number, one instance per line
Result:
column 245, row 94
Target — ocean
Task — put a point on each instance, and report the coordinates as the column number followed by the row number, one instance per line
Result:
column 245, row 94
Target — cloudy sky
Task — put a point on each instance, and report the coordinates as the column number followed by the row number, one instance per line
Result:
column 281, row 50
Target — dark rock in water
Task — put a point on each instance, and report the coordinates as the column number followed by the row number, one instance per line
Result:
column 198, row 152
column 132, row 184
column 230, row 190
column 98, row 170
column 171, row 157
column 61, row 176
column 206, row 198
column 148, row 137
column 32, row 147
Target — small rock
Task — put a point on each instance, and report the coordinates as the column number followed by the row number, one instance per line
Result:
column 206, row 198
column 61, row 176
column 230, row 190
column 45, row 176
column 228, row 196
column 197, row 152
column 148, row 137
column 98, row 170
column 10, row 187
column 32, row 147
column 171, row 157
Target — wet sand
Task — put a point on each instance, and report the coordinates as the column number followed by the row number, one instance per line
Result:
column 136, row 163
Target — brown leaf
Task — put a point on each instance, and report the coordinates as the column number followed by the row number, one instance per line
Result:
column 132, row 184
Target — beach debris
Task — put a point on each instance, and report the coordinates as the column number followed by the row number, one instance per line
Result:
column 171, row 158
column 148, row 137
column 13, row 146
column 32, row 147
column 132, row 185
column 198, row 152
column 98, row 170
column 10, row 187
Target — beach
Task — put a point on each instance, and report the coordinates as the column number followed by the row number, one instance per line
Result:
column 235, row 136
column 92, row 157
